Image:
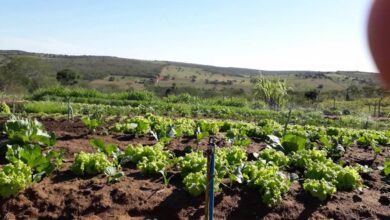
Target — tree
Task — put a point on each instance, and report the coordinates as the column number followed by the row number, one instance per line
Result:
column 271, row 91
column 193, row 78
column 22, row 74
column 312, row 95
column 67, row 77
column 352, row 89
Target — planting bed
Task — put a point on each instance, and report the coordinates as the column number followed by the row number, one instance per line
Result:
column 139, row 196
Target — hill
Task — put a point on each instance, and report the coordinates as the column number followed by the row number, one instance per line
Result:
column 114, row 73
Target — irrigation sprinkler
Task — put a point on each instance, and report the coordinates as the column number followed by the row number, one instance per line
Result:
column 209, row 206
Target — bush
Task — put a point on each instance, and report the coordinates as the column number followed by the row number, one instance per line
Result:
column 4, row 108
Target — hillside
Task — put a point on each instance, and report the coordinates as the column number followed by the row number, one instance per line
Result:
column 113, row 73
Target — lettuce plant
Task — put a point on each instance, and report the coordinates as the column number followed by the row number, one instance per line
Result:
column 14, row 177
column 90, row 163
column 320, row 189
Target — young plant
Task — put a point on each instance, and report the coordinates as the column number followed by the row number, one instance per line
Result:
column 113, row 174
column 196, row 183
column 238, row 137
column 192, row 163
column 13, row 178
column 386, row 169
column 40, row 163
column 137, row 126
column 91, row 123
column 27, row 131
column 274, row 156
column 377, row 150
column 348, row 178
column 149, row 159
column 90, row 163
column 268, row 180
column 320, row 189
column 293, row 143
column 110, row 150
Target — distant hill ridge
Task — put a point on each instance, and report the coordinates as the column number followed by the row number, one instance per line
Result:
column 108, row 73
column 126, row 65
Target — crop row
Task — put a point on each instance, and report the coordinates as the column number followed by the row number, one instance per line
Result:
column 31, row 157
column 298, row 116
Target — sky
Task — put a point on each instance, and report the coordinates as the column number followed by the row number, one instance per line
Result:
column 324, row 35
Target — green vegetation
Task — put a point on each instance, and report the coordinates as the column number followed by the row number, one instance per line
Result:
column 29, row 154
column 4, row 108
column 320, row 189
column 164, row 101
column 67, row 77
column 168, row 78
column 273, row 92
column 90, row 163
column 268, row 174
column 24, row 131
column 13, row 178
column 386, row 169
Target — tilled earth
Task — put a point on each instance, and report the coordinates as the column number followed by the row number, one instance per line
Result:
column 62, row 195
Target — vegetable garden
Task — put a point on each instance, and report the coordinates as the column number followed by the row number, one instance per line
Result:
column 150, row 166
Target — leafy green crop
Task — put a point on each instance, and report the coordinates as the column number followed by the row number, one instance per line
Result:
column 195, row 183
column 320, row 189
column 270, row 126
column 235, row 156
column 293, row 143
column 238, row 137
column 209, row 126
column 192, row 163
column 184, row 127
column 136, row 126
column 322, row 170
column 91, row 123
column 150, row 159
column 26, row 131
column 274, row 156
column 32, row 155
column 348, row 178
column 90, row 163
column 113, row 174
column 13, row 178
column 268, row 180
column 386, row 169
column 303, row 158
column 111, row 150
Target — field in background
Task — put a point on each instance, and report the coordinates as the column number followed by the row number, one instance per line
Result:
column 119, row 74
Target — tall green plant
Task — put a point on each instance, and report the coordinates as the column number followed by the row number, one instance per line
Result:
column 271, row 91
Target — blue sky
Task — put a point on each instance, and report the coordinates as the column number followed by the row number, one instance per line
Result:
column 263, row 34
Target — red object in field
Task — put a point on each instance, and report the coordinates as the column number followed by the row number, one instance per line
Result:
column 379, row 37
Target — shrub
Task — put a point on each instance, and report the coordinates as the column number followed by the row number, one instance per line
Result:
column 4, row 108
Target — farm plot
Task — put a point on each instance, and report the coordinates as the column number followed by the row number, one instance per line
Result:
column 308, row 172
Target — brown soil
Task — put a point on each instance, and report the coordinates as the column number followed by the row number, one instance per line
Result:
column 138, row 196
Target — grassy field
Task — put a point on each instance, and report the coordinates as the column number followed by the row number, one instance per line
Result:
column 189, row 77
column 118, row 74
